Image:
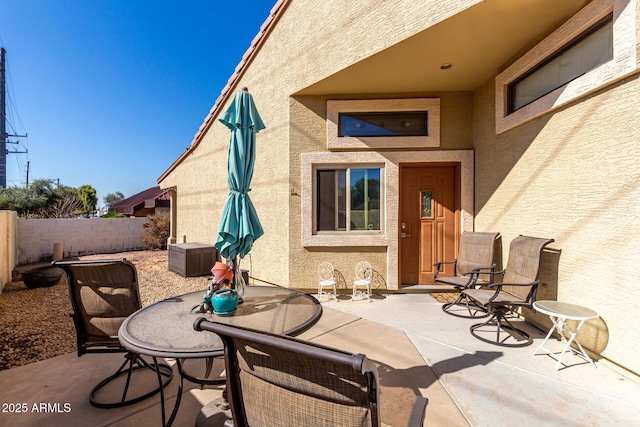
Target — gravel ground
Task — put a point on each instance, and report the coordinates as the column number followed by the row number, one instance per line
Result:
column 35, row 323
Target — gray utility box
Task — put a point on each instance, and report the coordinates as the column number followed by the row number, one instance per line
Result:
column 192, row 259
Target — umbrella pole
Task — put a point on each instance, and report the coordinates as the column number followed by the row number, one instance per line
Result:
column 238, row 280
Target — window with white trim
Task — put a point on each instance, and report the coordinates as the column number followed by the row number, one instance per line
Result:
column 366, row 124
column 381, row 124
column 592, row 48
column 348, row 199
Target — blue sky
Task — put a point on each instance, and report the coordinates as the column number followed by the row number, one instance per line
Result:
column 111, row 92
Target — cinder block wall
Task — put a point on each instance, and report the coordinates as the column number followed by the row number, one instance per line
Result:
column 36, row 237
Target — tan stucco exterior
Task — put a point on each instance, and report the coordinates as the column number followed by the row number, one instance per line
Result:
column 573, row 176
column 569, row 172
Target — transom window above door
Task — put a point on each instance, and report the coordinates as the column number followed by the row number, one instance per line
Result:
column 399, row 123
column 347, row 199
column 365, row 124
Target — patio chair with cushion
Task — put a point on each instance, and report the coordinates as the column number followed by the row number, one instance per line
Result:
column 475, row 257
column 103, row 294
column 518, row 289
column 274, row 380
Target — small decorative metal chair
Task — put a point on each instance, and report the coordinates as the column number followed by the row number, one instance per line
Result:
column 326, row 278
column 363, row 279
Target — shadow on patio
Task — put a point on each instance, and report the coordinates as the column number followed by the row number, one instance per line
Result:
column 419, row 350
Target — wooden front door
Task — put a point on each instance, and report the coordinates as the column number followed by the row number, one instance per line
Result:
column 428, row 221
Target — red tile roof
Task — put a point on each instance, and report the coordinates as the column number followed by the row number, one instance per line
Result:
column 149, row 198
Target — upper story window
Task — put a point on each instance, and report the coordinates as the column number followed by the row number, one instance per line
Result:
column 401, row 123
column 366, row 124
column 591, row 49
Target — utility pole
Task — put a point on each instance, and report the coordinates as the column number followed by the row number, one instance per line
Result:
column 3, row 122
column 3, row 118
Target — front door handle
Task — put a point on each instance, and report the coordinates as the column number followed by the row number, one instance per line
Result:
column 405, row 235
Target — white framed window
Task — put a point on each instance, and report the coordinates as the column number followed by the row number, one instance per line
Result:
column 383, row 123
column 595, row 48
column 348, row 199
column 591, row 49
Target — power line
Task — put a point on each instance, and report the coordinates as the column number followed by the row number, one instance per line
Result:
column 3, row 123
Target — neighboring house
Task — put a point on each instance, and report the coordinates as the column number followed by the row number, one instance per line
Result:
column 102, row 211
column 392, row 127
column 147, row 202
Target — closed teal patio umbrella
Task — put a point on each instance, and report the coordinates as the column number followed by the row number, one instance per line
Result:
column 239, row 224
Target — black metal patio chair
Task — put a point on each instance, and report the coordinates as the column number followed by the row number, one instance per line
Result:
column 517, row 290
column 274, row 380
column 475, row 259
column 103, row 294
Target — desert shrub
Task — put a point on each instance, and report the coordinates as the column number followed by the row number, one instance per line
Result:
column 156, row 231
column 113, row 214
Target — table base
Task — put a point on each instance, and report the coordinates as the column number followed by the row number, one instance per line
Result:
column 560, row 325
column 184, row 375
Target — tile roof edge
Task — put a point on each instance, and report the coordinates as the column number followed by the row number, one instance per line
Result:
column 276, row 12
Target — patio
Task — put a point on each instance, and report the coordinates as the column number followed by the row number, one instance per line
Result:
column 419, row 349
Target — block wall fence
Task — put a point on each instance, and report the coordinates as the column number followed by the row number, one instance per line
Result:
column 31, row 240
column 36, row 237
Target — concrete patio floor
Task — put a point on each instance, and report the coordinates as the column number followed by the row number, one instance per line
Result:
column 419, row 350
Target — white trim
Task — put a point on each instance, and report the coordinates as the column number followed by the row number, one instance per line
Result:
column 431, row 105
column 625, row 61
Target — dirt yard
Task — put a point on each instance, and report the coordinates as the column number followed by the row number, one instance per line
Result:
column 35, row 323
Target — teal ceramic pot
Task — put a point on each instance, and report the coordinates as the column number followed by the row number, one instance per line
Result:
column 224, row 301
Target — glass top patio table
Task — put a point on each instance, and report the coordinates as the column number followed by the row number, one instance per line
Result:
column 165, row 329
column 565, row 310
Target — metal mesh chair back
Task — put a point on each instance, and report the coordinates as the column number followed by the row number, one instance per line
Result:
column 279, row 381
column 476, row 250
column 103, row 294
column 523, row 265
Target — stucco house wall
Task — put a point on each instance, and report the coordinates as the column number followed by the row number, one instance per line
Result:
column 570, row 174
column 310, row 135
column 574, row 176
column 285, row 64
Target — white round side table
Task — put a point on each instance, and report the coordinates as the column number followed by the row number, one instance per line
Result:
column 559, row 312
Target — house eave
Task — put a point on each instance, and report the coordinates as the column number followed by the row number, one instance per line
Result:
column 257, row 42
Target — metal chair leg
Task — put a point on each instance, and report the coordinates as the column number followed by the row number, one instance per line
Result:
column 134, row 362
column 463, row 301
column 501, row 324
